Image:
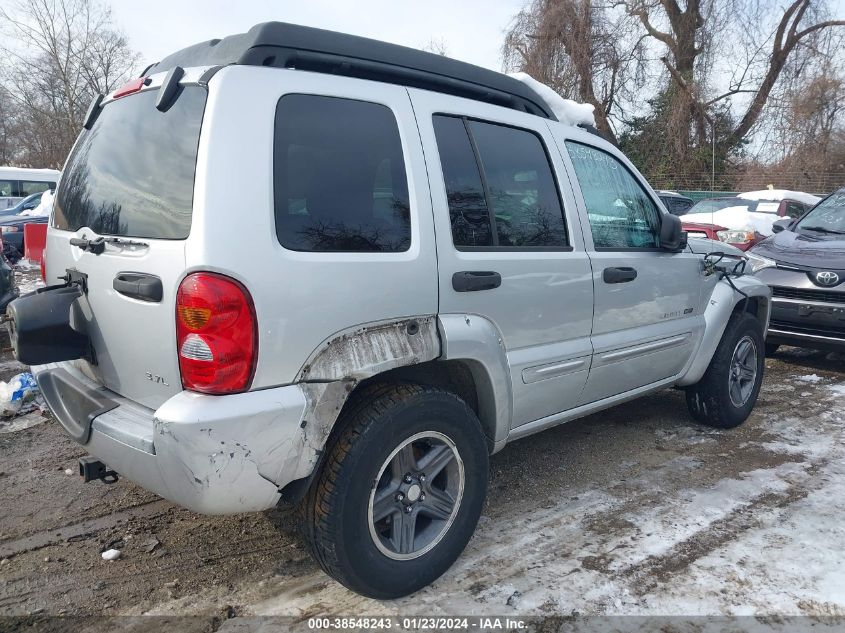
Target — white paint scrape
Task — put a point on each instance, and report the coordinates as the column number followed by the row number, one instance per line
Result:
column 567, row 111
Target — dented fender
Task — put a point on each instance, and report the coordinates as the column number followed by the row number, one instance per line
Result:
column 717, row 312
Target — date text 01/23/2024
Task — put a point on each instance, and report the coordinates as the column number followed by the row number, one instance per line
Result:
column 418, row 623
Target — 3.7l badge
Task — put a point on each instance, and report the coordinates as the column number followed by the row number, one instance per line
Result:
column 156, row 379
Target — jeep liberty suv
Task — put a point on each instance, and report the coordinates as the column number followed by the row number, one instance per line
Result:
column 427, row 265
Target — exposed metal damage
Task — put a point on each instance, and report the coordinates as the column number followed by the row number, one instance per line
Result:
column 286, row 435
column 335, row 369
column 373, row 349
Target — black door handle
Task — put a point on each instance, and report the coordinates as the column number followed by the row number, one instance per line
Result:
column 139, row 286
column 619, row 275
column 472, row 280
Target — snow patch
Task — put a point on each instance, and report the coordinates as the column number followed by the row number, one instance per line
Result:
column 567, row 111
column 810, row 378
column 737, row 218
column 838, row 390
column 776, row 195
column 43, row 208
column 111, row 554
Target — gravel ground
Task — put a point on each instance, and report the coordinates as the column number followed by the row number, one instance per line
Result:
column 636, row 510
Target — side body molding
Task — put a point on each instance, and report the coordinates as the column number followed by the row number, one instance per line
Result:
column 720, row 305
column 476, row 341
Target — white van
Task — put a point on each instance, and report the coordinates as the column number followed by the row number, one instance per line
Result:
column 16, row 183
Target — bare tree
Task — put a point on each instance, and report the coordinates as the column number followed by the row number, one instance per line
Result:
column 437, row 46
column 56, row 55
column 582, row 49
column 692, row 35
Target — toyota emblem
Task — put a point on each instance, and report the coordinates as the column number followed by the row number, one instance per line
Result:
column 827, row 278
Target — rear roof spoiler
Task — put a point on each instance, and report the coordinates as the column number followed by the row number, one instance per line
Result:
column 282, row 45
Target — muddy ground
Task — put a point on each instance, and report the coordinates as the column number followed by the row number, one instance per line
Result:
column 637, row 510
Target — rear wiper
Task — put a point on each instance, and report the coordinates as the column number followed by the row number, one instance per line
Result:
column 98, row 245
column 95, row 246
column 821, row 229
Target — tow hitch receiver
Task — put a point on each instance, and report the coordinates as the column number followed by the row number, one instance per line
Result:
column 91, row 469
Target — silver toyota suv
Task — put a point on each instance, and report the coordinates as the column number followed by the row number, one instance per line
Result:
column 296, row 266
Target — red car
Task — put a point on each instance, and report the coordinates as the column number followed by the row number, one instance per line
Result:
column 743, row 239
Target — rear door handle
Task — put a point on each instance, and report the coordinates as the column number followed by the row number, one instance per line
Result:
column 472, row 280
column 619, row 275
column 139, row 286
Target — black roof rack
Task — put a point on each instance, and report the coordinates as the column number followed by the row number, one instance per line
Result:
column 281, row 45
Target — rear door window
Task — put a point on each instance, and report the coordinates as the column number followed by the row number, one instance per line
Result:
column 339, row 176
column 132, row 174
column 468, row 213
column 499, row 185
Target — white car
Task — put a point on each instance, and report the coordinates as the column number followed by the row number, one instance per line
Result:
column 16, row 183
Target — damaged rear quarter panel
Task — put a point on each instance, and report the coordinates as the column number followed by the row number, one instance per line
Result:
column 230, row 446
column 368, row 350
column 349, row 357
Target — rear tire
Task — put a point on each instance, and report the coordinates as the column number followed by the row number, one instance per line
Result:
column 356, row 517
column 726, row 394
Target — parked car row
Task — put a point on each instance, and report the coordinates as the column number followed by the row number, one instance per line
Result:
column 745, row 219
column 34, row 209
column 796, row 244
column 804, row 263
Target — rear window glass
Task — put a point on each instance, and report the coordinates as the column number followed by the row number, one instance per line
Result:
column 340, row 182
column 132, row 174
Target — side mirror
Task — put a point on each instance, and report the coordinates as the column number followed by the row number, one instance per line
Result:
column 672, row 236
column 782, row 225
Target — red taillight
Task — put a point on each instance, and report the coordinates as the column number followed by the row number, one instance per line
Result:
column 44, row 265
column 127, row 89
column 216, row 334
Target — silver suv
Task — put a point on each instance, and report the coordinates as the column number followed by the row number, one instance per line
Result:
column 300, row 266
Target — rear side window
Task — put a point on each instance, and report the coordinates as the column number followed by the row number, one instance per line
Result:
column 340, row 183
column 7, row 188
column 499, row 186
column 29, row 187
column 132, row 174
column 795, row 209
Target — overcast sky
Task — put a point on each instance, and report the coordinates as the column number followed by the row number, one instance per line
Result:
column 473, row 30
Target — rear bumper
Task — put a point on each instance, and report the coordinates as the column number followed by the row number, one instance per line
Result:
column 210, row 454
column 804, row 323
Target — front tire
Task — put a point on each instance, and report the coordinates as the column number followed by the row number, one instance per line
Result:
column 726, row 394
column 401, row 490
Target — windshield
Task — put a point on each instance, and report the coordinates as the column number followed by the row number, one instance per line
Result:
column 828, row 216
column 717, row 204
column 132, row 174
